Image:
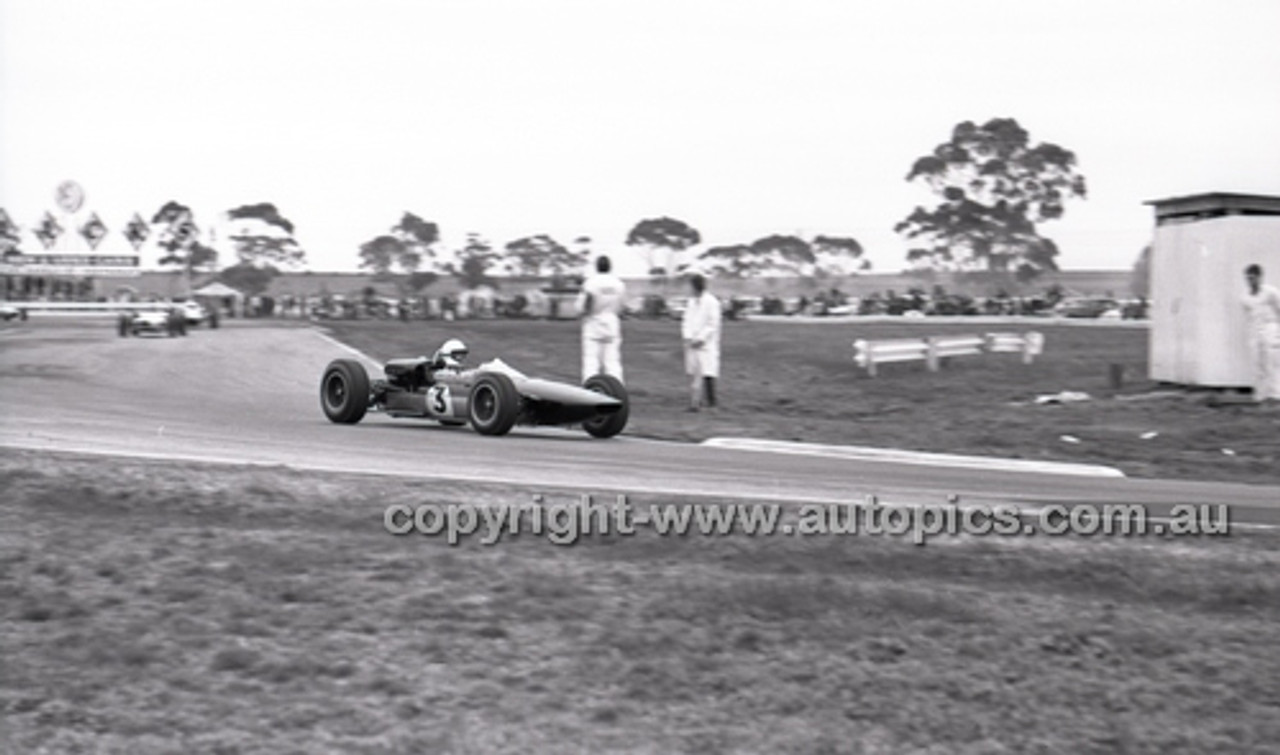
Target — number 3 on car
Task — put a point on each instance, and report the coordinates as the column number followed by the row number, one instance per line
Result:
column 438, row 401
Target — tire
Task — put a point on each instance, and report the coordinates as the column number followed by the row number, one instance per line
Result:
column 608, row 425
column 344, row 391
column 493, row 404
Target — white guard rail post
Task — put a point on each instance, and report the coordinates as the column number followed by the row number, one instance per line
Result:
column 941, row 347
column 1029, row 345
column 868, row 354
column 932, row 350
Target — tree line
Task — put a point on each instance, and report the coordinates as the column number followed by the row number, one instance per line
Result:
column 261, row 236
column 995, row 188
column 411, row 248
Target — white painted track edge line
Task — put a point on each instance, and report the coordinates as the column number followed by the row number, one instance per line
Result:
column 862, row 453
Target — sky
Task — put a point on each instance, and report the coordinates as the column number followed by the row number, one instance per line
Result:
column 506, row 118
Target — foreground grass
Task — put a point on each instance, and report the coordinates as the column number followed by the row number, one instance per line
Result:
column 796, row 381
column 153, row 608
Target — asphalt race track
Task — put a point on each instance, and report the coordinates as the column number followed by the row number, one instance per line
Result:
column 250, row 393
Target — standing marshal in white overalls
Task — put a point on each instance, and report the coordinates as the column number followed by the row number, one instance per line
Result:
column 601, row 302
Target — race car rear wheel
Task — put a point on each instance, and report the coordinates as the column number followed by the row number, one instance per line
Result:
column 344, row 391
column 494, row 404
column 607, row 425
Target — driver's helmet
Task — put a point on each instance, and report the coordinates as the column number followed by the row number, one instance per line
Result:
column 452, row 353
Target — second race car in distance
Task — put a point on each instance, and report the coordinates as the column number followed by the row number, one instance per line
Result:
column 168, row 322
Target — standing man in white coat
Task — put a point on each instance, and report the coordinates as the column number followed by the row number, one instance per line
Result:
column 1262, row 307
column 601, row 302
column 700, row 329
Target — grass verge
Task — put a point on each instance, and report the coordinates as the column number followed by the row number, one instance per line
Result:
column 152, row 607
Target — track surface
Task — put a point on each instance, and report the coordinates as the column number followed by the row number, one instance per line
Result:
column 249, row 393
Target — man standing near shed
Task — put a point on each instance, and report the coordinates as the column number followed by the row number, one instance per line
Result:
column 1262, row 306
column 601, row 302
column 700, row 329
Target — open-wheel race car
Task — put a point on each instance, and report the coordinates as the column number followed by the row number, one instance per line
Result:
column 493, row 397
column 152, row 321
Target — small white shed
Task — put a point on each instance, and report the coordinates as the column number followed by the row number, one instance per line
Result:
column 1202, row 245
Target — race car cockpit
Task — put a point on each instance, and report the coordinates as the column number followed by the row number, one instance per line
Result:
column 418, row 372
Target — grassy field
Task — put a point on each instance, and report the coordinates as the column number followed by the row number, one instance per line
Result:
column 153, row 608
column 798, row 381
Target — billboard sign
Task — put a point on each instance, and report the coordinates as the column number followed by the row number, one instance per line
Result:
column 93, row 231
column 48, row 230
column 69, row 196
column 137, row 231
column 73, row 264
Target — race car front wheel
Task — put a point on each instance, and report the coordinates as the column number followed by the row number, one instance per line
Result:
column 607, row 425
column 344, row 391
column 494, row 404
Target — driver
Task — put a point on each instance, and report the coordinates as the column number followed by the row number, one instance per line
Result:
column 451, row 355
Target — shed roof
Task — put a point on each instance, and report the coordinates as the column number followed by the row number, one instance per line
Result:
column 1214, row 205
column 218, row 288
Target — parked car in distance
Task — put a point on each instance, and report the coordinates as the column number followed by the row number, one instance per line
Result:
column 1085, row 308
column 192, row 311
